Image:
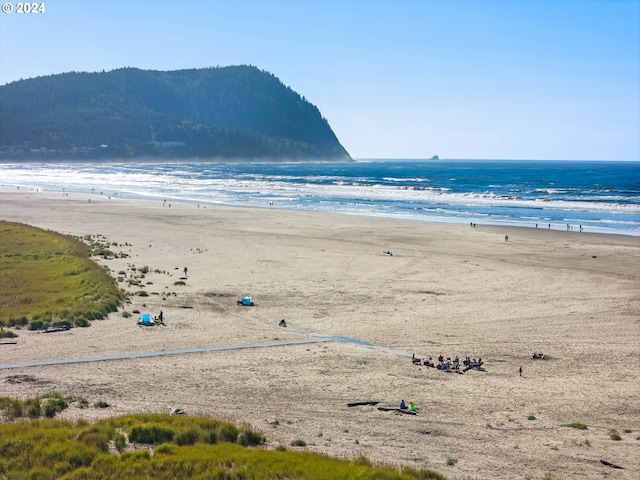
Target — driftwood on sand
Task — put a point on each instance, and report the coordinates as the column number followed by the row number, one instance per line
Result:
column 357, row 404
column 391, row 409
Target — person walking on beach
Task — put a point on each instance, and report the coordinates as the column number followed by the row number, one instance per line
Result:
column 521, row 370
column 185, row 271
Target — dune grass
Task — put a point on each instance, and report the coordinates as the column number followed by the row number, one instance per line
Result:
column 614, row 435
column 47, row 405
column 578, row 425
column 48, row 279
column 79, row 450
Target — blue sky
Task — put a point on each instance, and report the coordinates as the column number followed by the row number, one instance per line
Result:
column 529, row 79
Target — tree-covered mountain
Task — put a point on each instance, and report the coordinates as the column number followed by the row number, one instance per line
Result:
column 237, row 112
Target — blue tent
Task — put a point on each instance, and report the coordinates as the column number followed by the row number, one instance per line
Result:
column 146, row 319
column 247, row 302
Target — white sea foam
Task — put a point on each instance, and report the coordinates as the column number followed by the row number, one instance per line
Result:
column 404, row 197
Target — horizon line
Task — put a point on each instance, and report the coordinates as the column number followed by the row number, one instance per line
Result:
column 419, row 159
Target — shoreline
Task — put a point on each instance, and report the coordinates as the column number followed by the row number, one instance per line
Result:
column 212, row 204
column 446, row 289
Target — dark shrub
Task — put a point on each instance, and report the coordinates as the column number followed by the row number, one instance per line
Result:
column 63, row 323
column 151, row 434
column 12, row 408
column 211, row 437
column 188, row 437
column 36, row 325
column 50, row 410
column 248, row 438
column 7, row 334
column 228, row 433
column 34, row 409
column 53, row 406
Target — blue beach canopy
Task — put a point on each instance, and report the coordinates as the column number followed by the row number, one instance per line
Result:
column 146, row 319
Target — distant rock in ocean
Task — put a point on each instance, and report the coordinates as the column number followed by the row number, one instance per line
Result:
column 435, row 157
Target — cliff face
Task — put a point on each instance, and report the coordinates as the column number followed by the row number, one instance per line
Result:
column 232, row 113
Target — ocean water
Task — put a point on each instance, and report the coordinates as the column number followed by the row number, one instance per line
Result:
column 602, row 197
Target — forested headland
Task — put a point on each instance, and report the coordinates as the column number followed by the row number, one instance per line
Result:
column 227, row 113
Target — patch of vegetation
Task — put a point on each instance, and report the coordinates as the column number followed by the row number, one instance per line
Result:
column 153, row 434
column 99, row 247
column 63, row 449
column 298, row 443
column 362, row 460
column 179, row 282
column 578, row 425
column 451, row 461
column 48, row 277
column 82, row 322
column 7, row 333
column 48, row 405
column 228, row 433
column 614, row 435
column 531, row 417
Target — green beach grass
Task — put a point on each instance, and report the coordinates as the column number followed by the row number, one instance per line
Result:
column 167, row 447
column 49, row 279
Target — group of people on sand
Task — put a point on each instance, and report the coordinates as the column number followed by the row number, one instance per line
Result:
column 411, row 407
column 448, row 365
column 537, row 355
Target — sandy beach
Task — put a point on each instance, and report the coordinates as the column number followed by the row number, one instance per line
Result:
column 447, row 289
